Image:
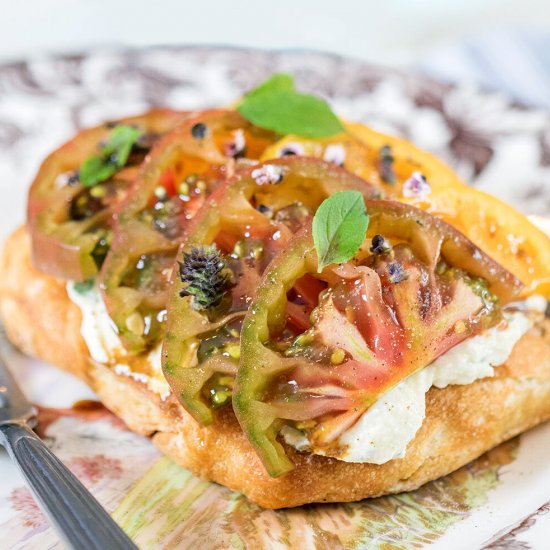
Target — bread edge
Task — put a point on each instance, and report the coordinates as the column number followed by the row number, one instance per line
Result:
column 462, row 422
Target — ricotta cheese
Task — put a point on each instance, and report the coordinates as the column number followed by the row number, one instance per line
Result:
column 101, row 338
column 383, row 432
column 97, row 328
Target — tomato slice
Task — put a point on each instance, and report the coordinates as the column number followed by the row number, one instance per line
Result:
column 383, row 316
column 250, row 219
column 70, row 223
column 494, row 226
column 388, row 161
column 173, row 184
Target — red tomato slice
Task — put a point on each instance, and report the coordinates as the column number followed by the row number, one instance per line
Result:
column 173, row 184
column 251, row 219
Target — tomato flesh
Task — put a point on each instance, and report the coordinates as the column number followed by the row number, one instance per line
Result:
column 172, row 186
column 251, row 220
column 67, row 220
column 497, row 228
column 373, row 326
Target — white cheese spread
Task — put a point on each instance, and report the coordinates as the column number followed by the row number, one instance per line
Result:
column 104, row 345
column 97, row 328
column 383, row 432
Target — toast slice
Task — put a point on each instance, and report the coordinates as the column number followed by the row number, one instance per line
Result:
column 462, row 422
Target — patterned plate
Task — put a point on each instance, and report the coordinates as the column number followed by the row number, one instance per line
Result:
column 498, row 501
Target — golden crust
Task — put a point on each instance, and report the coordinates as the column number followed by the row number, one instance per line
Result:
column 462, row 422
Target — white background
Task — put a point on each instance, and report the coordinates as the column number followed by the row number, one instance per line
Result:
column 394, row 32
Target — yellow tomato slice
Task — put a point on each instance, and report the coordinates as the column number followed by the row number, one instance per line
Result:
column 360, row 157
column 497, row 228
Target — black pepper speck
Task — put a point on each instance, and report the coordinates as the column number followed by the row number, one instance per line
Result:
column 379, row 245
column 199, row 130
column 386, row 165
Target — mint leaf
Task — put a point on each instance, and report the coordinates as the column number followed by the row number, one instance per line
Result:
column 113, row 156
column 276, row 105
column 120, row 144
column 278, row 81
column 339, row 227
column 95, row 170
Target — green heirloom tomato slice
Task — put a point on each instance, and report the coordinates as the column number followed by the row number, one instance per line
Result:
column 245, row 224
column 394, row 308
column 173, row 184
column 70, row 221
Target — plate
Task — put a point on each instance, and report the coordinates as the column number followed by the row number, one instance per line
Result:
column 499, row 501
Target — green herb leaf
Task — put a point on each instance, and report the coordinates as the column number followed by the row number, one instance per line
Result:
column 339, row 227
column 95, row 170
column 276, row 105
column 83, row 287
column 113, row 156
column 276, row 82
column 120, row 144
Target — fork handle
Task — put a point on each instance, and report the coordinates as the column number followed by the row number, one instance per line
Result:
column 78, row 517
